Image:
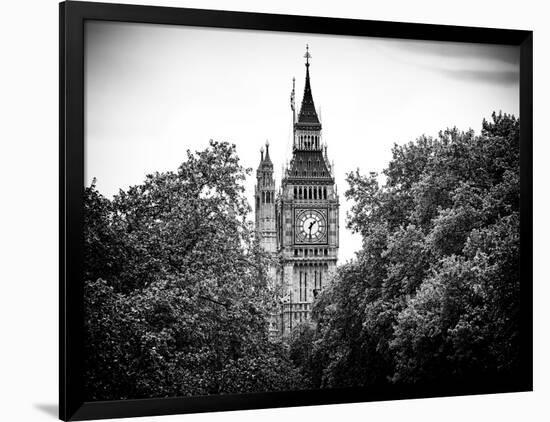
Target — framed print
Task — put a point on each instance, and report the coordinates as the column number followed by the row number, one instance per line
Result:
column 265, row 210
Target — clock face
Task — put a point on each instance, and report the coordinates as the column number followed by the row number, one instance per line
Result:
column 311, row 226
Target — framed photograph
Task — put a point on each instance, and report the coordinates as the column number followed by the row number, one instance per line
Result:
column 264, row 210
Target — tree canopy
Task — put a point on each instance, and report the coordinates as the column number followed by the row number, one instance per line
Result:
column 177, row 299
column 434, row 292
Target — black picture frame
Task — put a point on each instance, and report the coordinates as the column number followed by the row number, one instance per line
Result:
column 72, row 16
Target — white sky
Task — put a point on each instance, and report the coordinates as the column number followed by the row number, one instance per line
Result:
column 154, row 91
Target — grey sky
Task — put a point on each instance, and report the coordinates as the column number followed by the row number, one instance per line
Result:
column 154, row 91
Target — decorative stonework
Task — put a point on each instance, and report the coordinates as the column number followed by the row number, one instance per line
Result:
column 300, row 224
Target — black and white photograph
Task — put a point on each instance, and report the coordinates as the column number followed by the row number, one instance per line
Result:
column 300, row 210
column 271, row 211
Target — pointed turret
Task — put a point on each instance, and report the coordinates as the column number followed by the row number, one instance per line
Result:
column 267, row 159
column 266, row 165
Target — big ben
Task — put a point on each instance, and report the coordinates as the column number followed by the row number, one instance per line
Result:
column 306, row 216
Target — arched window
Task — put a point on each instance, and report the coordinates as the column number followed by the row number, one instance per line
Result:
column 295, row 192
column 314, row 193
column 310, row 193
column 324, row 193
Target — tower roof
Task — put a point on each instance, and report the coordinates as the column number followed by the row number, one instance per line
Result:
column 265, row 161
column 308, row 115
column 310, row 166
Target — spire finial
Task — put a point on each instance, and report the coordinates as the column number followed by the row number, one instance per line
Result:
column 307, row 55
column 262, row 152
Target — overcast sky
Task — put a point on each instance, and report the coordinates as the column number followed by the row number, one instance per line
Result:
column 154, row 91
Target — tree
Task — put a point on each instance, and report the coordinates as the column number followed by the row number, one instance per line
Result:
column 177, row 299
column 434, row 293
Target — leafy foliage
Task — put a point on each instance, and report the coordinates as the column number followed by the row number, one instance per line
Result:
column 177, row 299
column 178, row 302
column 434, row 293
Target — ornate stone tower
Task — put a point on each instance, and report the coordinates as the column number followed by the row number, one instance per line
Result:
column 265, row 202
column 307, row 216
column 301, row 225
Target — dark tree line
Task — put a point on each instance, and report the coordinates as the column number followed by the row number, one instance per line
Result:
column 433, row 296
column 178, row 301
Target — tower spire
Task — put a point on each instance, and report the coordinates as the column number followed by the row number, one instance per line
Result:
column 308, row 115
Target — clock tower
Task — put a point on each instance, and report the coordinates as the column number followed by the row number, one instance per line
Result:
column 300, row 224
column 307, row 222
